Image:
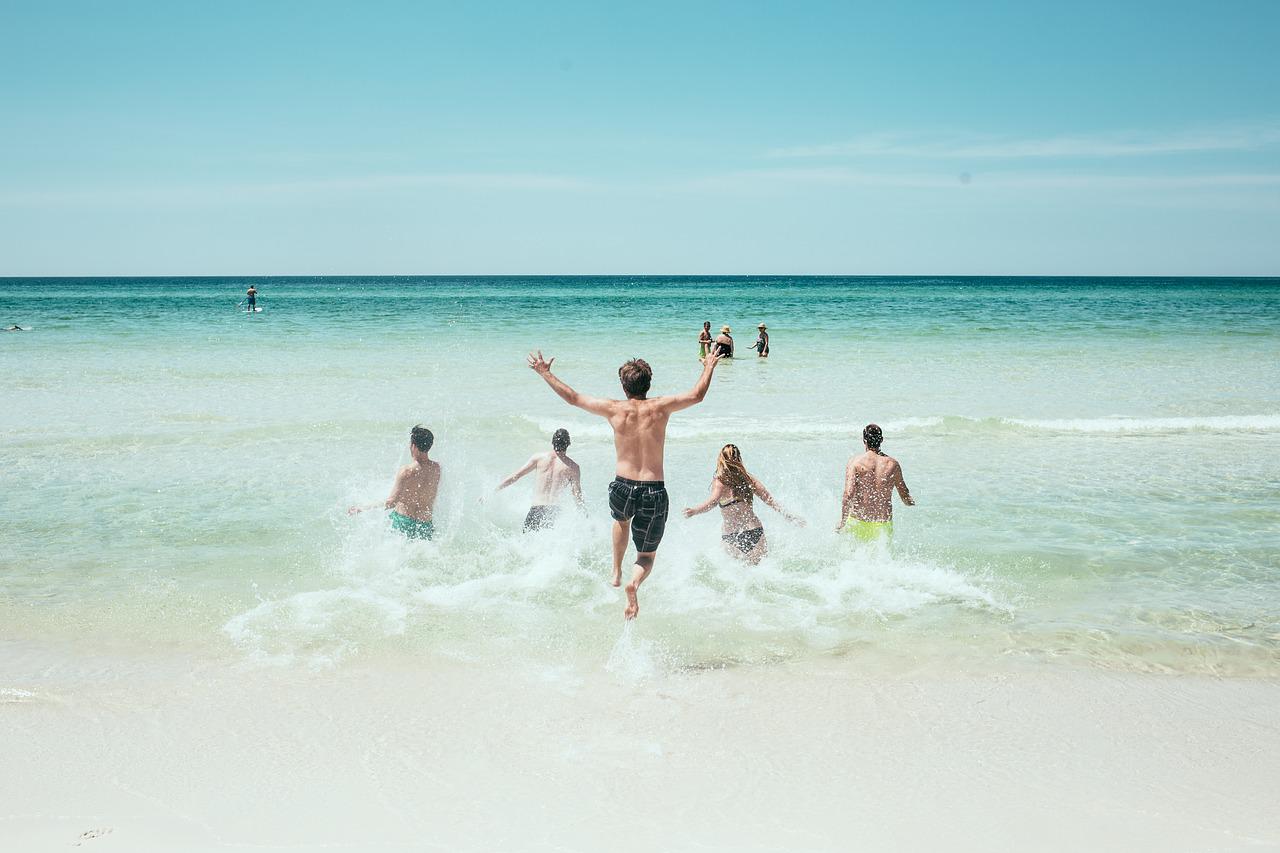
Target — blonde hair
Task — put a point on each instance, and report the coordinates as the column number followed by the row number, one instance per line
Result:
column 731, row 472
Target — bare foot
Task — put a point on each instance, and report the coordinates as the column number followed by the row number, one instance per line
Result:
column 633, row 603
column 617, row 577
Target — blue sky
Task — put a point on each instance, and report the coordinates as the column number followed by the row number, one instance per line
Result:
column 817, row 138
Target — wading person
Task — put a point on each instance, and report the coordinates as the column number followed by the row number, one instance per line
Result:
column 637, row 496
column 724, row 343
column 866, row 508
column 413, row 495
column 555, row 471
column 761, row 345
column 734, row 491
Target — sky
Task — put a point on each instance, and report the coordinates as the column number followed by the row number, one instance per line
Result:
column 847, row 138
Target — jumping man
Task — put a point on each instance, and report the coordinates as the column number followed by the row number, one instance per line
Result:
column 637, row 497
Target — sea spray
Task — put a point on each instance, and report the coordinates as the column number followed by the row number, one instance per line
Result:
column 632, row 659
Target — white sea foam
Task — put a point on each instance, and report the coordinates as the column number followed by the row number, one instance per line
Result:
column 15, row 694
column 1218, row 423
column 481, row 591
column 790, row 426
column 702, row 426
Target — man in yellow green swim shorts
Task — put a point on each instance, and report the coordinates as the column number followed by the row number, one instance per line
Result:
column 866, row 508
column 413, row 495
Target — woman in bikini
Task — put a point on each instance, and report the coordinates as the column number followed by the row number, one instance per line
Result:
column 734, row 491
column 704, row 340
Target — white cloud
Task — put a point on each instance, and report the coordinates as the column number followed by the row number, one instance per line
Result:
column 1098, row 145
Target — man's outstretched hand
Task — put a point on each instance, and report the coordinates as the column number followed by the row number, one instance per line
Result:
column 540, row 365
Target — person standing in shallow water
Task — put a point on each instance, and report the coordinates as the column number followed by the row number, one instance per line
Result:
column 866, row 508
column 762, row 342
column 413, row 495
column 734, row 491
column 638, row 496
column 724, row 343
column 555, row 471
column 704, row 340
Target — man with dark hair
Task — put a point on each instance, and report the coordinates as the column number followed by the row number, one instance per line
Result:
column 637, row 497
column 866, row 508
column 555, row 471
column 413, row 495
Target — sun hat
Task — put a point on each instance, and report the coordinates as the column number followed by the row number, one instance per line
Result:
column 724, row 330
column 762, row 326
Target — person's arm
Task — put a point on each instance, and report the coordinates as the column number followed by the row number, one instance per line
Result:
column 528, row 466
column 575, row 486
column 768, row 499
column 694, row 395
column 397, row 488
column 846, row 499
column 594, row 405
column 903, row 491
column 717, row 489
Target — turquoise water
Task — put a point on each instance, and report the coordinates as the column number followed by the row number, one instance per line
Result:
column 1096, row 464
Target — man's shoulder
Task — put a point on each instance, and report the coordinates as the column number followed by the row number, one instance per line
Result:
column 656, row 404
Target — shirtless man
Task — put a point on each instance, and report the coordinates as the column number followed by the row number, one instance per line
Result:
column 251, row 296
column 866, row 510
column 555, row 471
column 413, row 495
column 637, row 497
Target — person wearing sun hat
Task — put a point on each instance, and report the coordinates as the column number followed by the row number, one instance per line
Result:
column 724, row 343
column 762, row 343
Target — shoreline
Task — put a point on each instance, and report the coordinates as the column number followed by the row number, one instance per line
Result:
column 428, row 754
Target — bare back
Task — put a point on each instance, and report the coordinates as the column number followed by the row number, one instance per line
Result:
column 553, row 472
column 869, row 483
column 639, row 424
column 414, row 492
column 640, row 436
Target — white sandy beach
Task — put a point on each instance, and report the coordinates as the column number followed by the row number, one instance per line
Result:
column 450, row 756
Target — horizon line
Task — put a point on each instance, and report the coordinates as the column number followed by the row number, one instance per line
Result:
column 639, row 275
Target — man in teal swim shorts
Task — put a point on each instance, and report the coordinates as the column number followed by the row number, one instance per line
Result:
column 866, row 505
column 413, row 495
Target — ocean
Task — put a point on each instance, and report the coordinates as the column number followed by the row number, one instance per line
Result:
column 1096, row 465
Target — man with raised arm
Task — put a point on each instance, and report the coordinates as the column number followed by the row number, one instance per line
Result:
column 556, row 471
column 866, row 506
column 637, row 496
